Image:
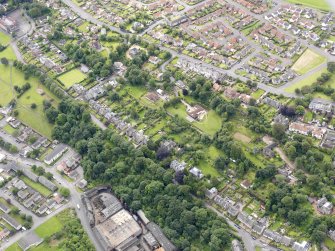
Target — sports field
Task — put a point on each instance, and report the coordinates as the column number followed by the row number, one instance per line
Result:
column 72, row 77
column 308, row 61
column 318, row 4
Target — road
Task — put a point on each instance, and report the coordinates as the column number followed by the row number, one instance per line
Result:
column 249, row 243
column 331, row 4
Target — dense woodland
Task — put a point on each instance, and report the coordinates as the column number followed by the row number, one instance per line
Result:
column 139, row 181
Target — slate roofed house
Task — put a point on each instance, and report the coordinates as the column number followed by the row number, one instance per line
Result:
column 19, row 184
column 321, row 107
column 258, row 227
column 47, row 183
column 282, row 120
column 196, row 112
column 177, row 166
column 303, row 246
column 23, row 194
column 233, row 211
column 196, row 172
column 4, row 208
column 271, row 102
column 55, row 154
column 11, row 221
column 39, row 142
column 211, row 193
column 287, row 241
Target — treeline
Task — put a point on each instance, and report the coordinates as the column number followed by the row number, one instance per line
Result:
column 21, row 90
column 140, row 182
column 8, row 146
column 35, row 10
column 72, row 236
column 33, row 71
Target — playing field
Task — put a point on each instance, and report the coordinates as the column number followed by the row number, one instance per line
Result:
column 318, row 4
column 72, row 77
column 308, row 61
column 9, row 76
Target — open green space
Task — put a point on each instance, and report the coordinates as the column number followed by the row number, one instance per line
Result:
column 4, row 38
column 257, row 94
column 49, row 227
column 306, row 82
column 210, row 124
column 10, row 130
column 318, row 4
column 72, row 77
column 35, row 118
column 37, row 186
column 8, row 53
column 308, row 61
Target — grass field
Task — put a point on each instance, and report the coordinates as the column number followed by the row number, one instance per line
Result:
column 308, row 61
column 8, row 53
column 37, row 186
column 210, row 124
column 306, row 82
column 49, row 227
column 4, row 38
column 72, row 77
column 9, row 76
column 318, row 4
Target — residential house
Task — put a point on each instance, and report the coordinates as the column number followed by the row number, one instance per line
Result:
column 55, row 154
column 303, row 246
column 196, row 172
column 324, row 206
column 211, row 193
column 11, row 221
column 47, row 183
column 196, row 112
column 319, row 106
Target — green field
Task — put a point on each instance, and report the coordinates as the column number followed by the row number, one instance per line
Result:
column 306, row 82
column 72, row 77
column 318, row 4
column 210, row 124
column 37, row 186
column 4, row 38
column 8, row 53
column 10, row 76
column 49, row 227
column 308, row 61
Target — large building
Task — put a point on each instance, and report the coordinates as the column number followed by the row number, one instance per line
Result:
column 119, row 231
column 8, row 25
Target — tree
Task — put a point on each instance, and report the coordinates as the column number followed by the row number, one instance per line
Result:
column 33, row 106
column 65, row 192
column 278, row 131
column 4, row 61
column 300, row 110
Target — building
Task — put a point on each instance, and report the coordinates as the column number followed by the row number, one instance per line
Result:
column 55, row 154
column 151, row 241
column 82, row 184
column 196, row 112
column 196, row 172
column 11, row 221
column 245, row 184
column 211, row 193
column 47, row 183
column 303, row 246
column 8, row 25
column 236, row 245
column 178, row 166
column 157, row 232
column 319, row 106
column 324, row 206
column 119, row 231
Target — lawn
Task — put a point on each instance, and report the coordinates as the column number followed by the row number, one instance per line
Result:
column 210, row 124
column 37, row 186
column 14, row 247
column 4, row 38
column 318, row 4
column 72, row 77
column 35, row 118
column 257, row 94
column 49, row 227
column 8, row 53
column 9, row 129
column 307, row 81
column 308, row 61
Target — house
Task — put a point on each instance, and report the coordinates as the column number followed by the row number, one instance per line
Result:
column 318, row 106
column 82, row 184
column 11, row 221
column 306, row 129
column 181, row 85
column 245, row 184
column 47, row 183
column 4, row 208
column 2, row 157
column 303, row 246
column 196, row 172
column 211, row 193
column 236, row 245
column 196, row 112
column 271, row 102
column 55, row 154
column 231, row 93
column 154, row 60
column 281, row 120
column 324, row 206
